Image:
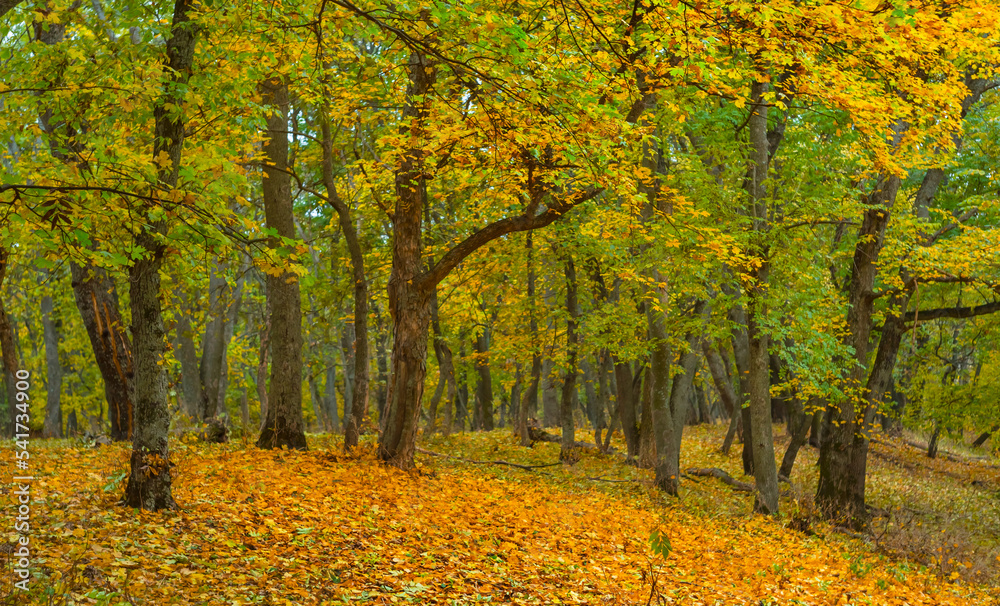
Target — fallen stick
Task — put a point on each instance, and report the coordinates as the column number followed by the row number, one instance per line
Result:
column 497, row 462
column 715, row 472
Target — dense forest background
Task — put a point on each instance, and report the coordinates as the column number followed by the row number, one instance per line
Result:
column 389, row 219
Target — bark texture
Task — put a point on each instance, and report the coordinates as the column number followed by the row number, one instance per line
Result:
column 150, row 476
column 283, row 425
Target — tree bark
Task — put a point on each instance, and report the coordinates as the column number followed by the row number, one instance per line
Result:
column 408, row 303
column 569, row 382
column 53, row 372
column 188, row 358
column 9, row 353
column 484, row 387
column 213, row 344
column 150, row 478
column 835, row 493
column 355, row 402
column 283, row 424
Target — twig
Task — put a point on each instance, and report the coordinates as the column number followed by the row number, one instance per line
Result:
column 497, row 462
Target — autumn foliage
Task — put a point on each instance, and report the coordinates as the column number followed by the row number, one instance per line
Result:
column 289, row 527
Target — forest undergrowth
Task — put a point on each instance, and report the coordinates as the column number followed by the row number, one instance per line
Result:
column 483, row 520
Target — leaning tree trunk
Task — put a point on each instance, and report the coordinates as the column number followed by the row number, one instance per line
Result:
column 283, row 425
column 53, row 372
column 97, row 300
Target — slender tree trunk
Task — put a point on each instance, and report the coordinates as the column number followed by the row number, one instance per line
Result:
column 741, row 354
column 356, row 402
column 330, row 396
column 54, row 372
column 765, row 471
column 150, row 478
column 484, row 387
column 283, row 424
column 569, row 383
column 799, row 430
column 626, row 407
column 347, row 354
column 647, row 433
column 725, row 388
column 932, row 444
column 187, row 355
column 985, row 436
column 529, row 401
column 210, row 368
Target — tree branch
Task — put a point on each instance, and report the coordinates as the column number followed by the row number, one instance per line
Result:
column 950, row 312
column 456, row 255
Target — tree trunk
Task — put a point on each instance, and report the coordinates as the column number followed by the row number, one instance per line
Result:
column 835, row 493
column 355, row 402
column 283, row 424
column 932, row 444
column 150, row 478
column 799, row 429
column 647, row 432
column 765, row 471
column 985, row 436
column 210, row 368
column 725, row 388
column 187, row 355
column 569, row 383
column 484, row 387
column 529, row 401
column 330, row 396
column 53, row 372
column 97, row 300
column 347, row 354
column 741, row 354
column 626, row 407
column 408, row 303
column 9, row 353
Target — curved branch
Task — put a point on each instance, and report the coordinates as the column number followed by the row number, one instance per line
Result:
column 508, row 225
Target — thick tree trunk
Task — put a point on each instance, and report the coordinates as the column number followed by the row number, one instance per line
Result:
column 53, row 372
column 283, row 424
column 408, row 303
column 569, row 382
column 836, row 492
column 150, row 478
column 932, row 444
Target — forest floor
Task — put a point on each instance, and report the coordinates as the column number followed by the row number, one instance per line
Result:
column 280, row 527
